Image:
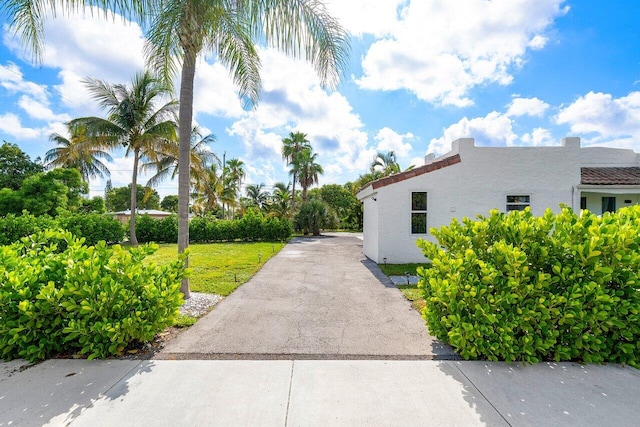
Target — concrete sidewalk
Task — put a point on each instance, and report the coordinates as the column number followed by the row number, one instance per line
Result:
column 311, row 392
column 318, row 298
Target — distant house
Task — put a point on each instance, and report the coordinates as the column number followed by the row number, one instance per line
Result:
column 472, row 180
column 124, row 216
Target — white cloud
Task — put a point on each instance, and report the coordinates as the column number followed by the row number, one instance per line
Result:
column 12, row 79
column 495, row 129
column 214, row 92
column 539, row 137
column 362, row 17
column 527, row 107
column 294, row 101
column 389, row 140
column 441, row 49
column 538, row 42
column 602, row 119
column 40, row 110
column 11, row 125
column 417, row 161
column 603, row 114
column 121, row 169
column 89, row 45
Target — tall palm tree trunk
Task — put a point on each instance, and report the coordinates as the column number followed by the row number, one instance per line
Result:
column 185, row 117
column 134, row 199
column 293, row 195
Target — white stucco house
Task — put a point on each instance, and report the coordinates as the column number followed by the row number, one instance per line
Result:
column 472, row 180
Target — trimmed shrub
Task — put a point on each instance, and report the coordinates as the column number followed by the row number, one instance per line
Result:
column 313, row 216
column 93, row 227
column 147, row 229
column 60, row 295
column 14, row 227
column 253, row 227
column 250, row 226
column 168, row 229
column 518, row 287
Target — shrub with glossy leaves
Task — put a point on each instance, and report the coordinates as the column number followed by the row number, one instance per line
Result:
column 518, row 287
column 253, row 227
column 14, row 227
column 59, row 295
column 93, row 227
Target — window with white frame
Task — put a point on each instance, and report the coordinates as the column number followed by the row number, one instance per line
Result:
column 419, row 212
column 518, row 202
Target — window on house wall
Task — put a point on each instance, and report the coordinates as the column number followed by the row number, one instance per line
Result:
column 583, row 202
column 419, row 212
column 518, row 202
column 608, row 204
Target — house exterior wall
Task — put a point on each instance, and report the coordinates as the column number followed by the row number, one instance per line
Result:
column 594, row 200
column 370, row 243
column 395, row 240
column 481, row 181
column 603, row 156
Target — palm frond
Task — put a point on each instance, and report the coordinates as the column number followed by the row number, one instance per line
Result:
column 302, row 29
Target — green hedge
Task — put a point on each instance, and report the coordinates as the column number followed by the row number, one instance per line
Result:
column 93, row 227
column 14, row 227
column 252, row 227
column 59, row 295
column 518, row 287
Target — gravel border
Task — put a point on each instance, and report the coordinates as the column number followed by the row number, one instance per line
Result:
column 199, row 304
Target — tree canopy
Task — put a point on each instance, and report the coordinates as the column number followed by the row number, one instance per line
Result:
column 15, row 166
column 50, row 193
column 119, row 198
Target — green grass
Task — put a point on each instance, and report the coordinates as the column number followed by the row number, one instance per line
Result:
column 410, row 292
column 413, row 294
column 184, row 321
column 400, row 269
column 219, row 268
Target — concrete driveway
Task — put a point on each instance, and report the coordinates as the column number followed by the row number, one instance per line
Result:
column 319, row 298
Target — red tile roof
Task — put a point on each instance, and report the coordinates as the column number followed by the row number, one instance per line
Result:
column 420, row 170
column 611, row 176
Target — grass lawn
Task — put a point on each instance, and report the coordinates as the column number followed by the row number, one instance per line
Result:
column 400, row 269
column 410, row 292
column 219, row 268
column 413, row 294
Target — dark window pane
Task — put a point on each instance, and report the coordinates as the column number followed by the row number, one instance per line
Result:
column 608, row 204
column 516, row 207
column 583, row 203
column 418, row 223
column 419, row 201
column 518, row 199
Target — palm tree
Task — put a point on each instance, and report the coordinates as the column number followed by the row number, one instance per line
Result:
column 291, row 148
column 133, row 121
column 307, row 170
column 233, row 175
column 165, row 160
column 231, row 29
column 208, row 190
column 256, row 195
column 79, row 152
column 182, row 29
column 386, row 163
column 280, row 200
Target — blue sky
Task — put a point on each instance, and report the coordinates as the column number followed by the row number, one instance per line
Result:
column 422, row 73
